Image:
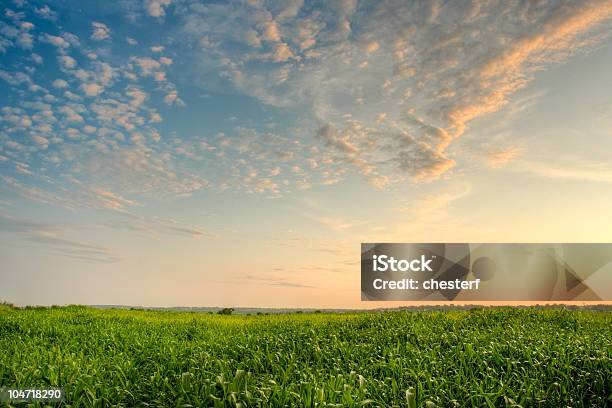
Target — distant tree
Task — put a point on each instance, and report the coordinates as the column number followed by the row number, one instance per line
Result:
column 7, row 304
column 226, row 311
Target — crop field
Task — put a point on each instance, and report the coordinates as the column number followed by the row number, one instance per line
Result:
column 485, row 358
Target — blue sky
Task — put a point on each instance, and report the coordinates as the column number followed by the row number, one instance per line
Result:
column 166, row 152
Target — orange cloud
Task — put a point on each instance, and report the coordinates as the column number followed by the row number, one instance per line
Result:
column 501, row 157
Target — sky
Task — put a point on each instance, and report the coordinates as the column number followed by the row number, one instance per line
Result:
column 236, row 153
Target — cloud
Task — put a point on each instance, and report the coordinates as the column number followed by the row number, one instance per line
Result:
column 291, row 9
column 576, row 171
column 265, row 163
column 135, row 170
column 157, row 8
column 89, row 129
column 282, row 53
column 336, row 224
column 274, row 281
column 99, row 31
column 316, row 212
column 148, row 66
column 71, row 39
column 109, row 200
column 270, row 31
column 45, row 12
column 500, row 157
column 383, row 101
column 91, row 89
column 172, row 97
column 40, row 141
column 59, row 83
column 15, row 78
column 137, row 95
column 67, row 62
column 17, row 34
column 36, row 58
column 435, row 204
column 70, row 113
column 73, row 196
column 54, row 40
column 340, row 141
column 97, row 150
column 155, row 226
column 370, row 47
column 51, row 237
column 252, row 38
column 37, row 194
column 435, row 70
column 379, row 182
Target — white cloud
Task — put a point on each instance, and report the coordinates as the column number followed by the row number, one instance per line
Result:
column 436, row 202
column 36, row 58
column 155, row 118
column 91, row 89
column 148, row 66
column 500, row 157
column 54, row 40
column 67, row 62
column 59, row 83
column 137, row 95
column 155, row 226
column 51, row 237
column 271, row 31
column 99, row 31
column 70, row 113
column 45, row 12
column 73, row 133
column 104, row 72
column 430, row 79
column 370, row 47
column 71, row 39
column 156, row 8
column 282, row 53
column 252, row 38
column 172, row 97
column 40, row 141
column 571, row 170
column 25, row 40
column 89, row 129
column 72, row 96
column 427, row 86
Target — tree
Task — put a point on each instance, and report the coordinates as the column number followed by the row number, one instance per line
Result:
column 226, row 311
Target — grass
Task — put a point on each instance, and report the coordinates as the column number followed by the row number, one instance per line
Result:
column 482, row 358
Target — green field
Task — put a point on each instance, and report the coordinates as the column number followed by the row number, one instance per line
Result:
column 488, row 358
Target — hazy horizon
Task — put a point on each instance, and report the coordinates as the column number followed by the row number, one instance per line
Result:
column 363, row 306
column 176, row 152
